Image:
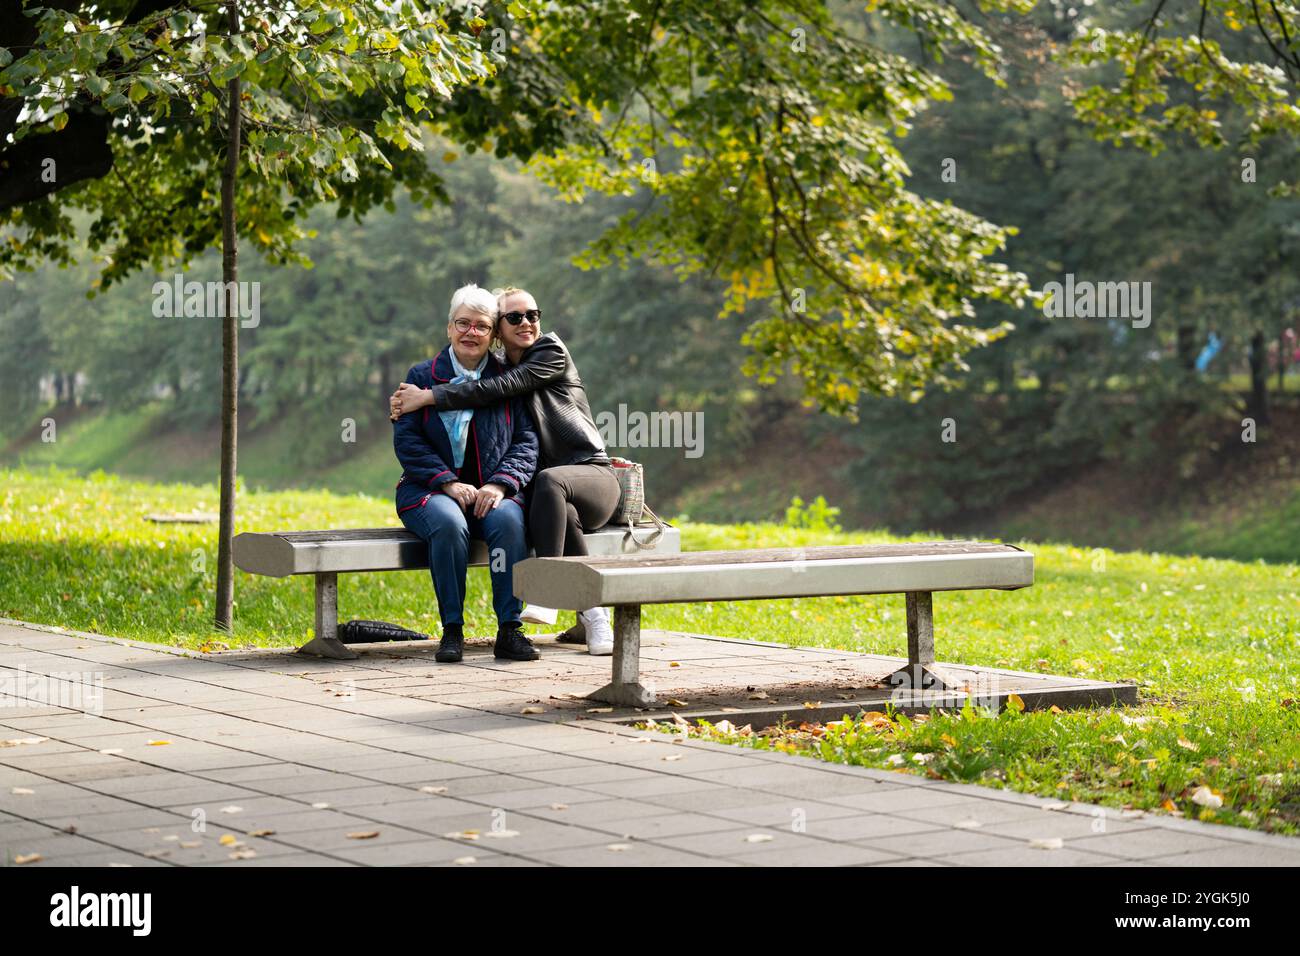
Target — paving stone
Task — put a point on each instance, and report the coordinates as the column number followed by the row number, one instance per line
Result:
column 591, row 814
column 778, row 812
column 333, row 838
column 824, row 854
column 1025, row 855
column 1229, row 855
column 424, row 773
column 896, row 800
column 1051, row 823
column 1144, row 844
column 424, row 852
column 655, row 784
column 664, row 825
column 946, row 844
column 984, row 812
column 637, row 854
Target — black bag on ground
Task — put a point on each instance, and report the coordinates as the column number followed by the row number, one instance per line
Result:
column 376, row 632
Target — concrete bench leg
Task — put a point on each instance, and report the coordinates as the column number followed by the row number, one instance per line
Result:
column 625, row 689
column 920, row 672
column 326, row 643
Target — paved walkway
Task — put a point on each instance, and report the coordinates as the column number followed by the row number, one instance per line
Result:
column 273, row 759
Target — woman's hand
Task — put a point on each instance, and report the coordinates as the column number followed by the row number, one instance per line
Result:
column 408, row 398
column 460, row 492
column 487, row 498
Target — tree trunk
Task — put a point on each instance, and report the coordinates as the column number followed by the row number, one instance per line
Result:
column 1259, row 378
column 1187, row 347
column 1281, row 360
column 229, row 351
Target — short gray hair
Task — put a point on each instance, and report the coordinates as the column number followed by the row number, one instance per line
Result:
column 480, row 300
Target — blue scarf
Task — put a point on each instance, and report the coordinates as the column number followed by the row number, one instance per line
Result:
column 457, row 422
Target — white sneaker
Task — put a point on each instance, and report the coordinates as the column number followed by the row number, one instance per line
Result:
column 536, row 614
column 600, row 636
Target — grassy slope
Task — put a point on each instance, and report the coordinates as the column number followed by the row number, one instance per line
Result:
column 1249, row 508
column 1212, row 643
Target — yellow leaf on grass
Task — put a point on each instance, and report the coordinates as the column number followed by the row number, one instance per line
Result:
column 1015, row 703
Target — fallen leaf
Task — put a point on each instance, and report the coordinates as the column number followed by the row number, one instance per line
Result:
column 533, row 710
column 159, row 743
column 244, row 854
column 433, row 789
column 674, row 664
column 1205, row 797
column 462, row 835
column 23, row 741
column 674, row 756
column 464, row 860
column 363, row 835
column 674, row 702
column 600, row 710
column 22, row 792
column 501, row 834
column 559, row 806
column 759, row 838
column 228, row 840
column 812, row 705
column 191, row 844
column 1047, row 843
column 320, row 806
column 232, row 809
column 24, row 858
column 761, row 695
column 967, row 825
column 618, row 847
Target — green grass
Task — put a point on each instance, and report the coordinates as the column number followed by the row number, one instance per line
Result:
column 1212, row 643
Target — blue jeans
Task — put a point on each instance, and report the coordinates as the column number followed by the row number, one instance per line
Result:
column 447, row 529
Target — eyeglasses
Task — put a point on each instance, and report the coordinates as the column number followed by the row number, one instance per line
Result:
column 532, row 315
column 478, row 328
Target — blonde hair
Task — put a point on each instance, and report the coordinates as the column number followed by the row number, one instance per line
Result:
column 507, row 290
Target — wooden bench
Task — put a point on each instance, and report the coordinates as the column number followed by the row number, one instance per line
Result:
column 327, row 554
column 627, row 582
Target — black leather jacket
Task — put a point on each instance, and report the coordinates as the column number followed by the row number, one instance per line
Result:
column 547, row 380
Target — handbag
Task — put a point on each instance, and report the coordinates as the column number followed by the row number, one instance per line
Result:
column 631, row 502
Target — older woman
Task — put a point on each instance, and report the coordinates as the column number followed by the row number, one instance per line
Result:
column 464, row 472
column 575, row 488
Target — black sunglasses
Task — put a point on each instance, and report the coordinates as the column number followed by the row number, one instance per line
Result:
column 532, row 315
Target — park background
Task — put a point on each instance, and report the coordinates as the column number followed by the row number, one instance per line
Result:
column 1116, row 453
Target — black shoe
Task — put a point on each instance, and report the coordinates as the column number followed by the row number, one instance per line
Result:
column 452, row 646
column 513, row 645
